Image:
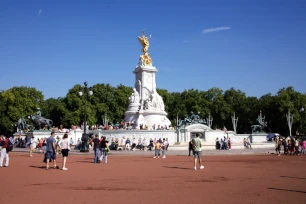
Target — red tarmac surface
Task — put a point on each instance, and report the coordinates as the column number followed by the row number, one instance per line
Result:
column 141, row 179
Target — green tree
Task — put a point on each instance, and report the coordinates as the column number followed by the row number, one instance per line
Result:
column 18, row 102
column 75, row 104
column 218, row 108
column 55, row 109
column 287, row 99
column 245, row 109
column 120, row 102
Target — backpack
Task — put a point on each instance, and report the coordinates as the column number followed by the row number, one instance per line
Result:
column 10, row 146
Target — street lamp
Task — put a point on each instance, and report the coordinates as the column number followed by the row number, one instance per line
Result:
column 85, row 138
column 303, row 118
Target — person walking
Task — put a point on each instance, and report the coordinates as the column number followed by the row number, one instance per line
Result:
column 167, row 144
column 249, row 143
column 5, row 152
column 104, row 149
column 65, row 150
column 44, row 145
column 190, row 148
column 229, row 143
column 164, row 146
column 197, row 151
column 51, row 151
column 96, row 148
column 297, row 146
column 32, row 145
column 2, row 140
column 278, row 145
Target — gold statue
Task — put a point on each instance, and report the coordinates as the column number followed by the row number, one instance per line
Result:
column 145, row 58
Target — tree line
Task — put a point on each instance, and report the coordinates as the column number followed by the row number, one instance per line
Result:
column 113, row 102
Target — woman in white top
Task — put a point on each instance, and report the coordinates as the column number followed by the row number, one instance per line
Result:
column 65, row 150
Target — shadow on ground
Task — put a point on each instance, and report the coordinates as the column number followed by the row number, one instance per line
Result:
column 176, row 167
column 292, row 177
column 288, row 190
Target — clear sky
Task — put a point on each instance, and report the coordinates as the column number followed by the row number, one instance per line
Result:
column 255, row 46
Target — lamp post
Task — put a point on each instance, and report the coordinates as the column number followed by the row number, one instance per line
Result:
column 303, row 118
column 85, row 138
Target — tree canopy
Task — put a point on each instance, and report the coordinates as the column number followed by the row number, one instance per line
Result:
column 113, row 102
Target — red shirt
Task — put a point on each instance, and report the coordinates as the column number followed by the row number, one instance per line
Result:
column 6, row 143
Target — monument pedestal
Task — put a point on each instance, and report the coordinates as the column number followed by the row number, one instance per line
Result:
column 151, row 109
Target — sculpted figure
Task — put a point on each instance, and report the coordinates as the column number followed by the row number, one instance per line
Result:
column 144, row 59
column 38, row 113
column 134, row 98
column 148, row 104
column 144, row 41
column 156, row 101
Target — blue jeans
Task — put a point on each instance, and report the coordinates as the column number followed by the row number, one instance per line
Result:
column 51, row 155
column 96, row 155
column 164, row 152
column 157, row 152
column 103, row 155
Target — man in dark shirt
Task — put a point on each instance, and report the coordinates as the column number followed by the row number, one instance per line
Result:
column 96, row 147
column 50, row 154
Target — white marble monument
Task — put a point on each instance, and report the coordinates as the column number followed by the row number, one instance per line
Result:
column 146, row 106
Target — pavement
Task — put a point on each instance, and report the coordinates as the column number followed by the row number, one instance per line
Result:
column 254, row 151
column 248, row 179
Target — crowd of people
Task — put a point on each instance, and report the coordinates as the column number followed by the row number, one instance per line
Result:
column 111, row 126
column 223, row 144
column 129, row 126
column 141, row 144
column 290, row 145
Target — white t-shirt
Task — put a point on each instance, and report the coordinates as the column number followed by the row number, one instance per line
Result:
column 64, row 143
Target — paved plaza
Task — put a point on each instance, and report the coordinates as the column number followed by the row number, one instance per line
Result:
column 139, row 178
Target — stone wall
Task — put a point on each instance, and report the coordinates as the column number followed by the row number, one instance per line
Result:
column 173, row 136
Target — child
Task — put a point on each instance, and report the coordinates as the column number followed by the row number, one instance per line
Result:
column 157, row 149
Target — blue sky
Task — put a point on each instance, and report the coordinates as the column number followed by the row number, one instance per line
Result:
column 255, row 46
